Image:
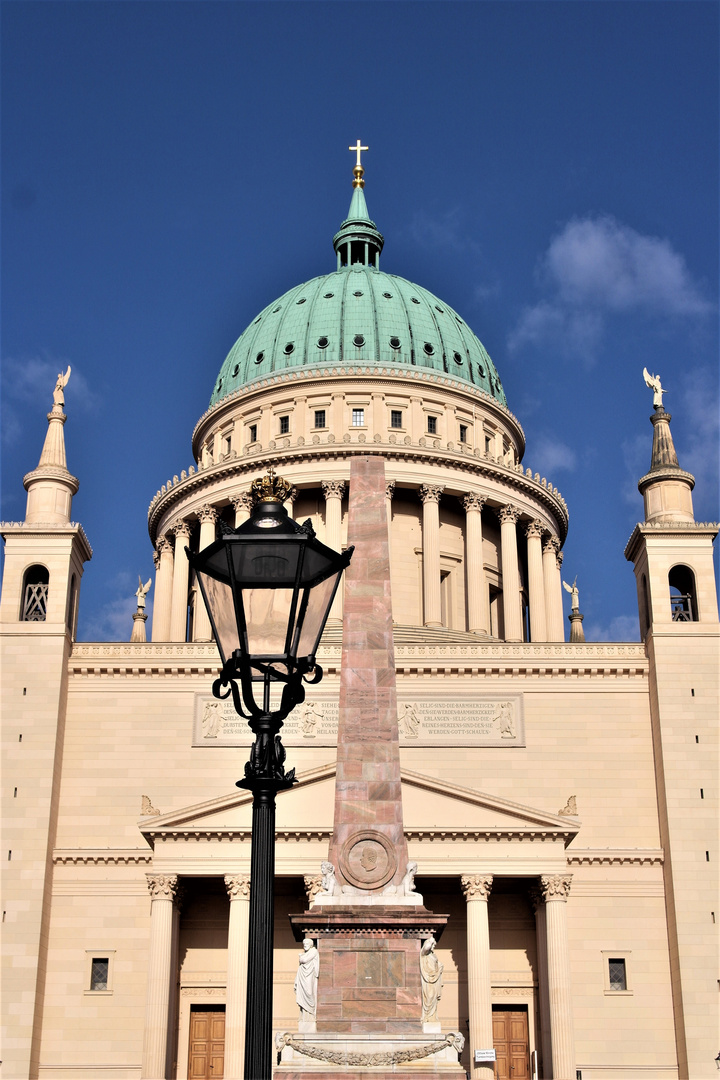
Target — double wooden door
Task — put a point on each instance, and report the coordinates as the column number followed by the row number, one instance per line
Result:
column 510, row 1039
column 207, row 1044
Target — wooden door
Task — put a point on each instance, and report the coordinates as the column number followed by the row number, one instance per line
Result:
column 207, row 1044
column 510, row 1039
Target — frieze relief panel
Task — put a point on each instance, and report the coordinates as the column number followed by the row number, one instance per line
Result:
column 490, row 720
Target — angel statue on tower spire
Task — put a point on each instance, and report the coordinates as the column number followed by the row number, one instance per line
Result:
column 59, row 391
column 653, row 381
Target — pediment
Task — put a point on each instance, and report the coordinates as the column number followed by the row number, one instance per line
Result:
column 431, row 808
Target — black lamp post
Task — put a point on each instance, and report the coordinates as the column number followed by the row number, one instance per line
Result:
column 268, row 587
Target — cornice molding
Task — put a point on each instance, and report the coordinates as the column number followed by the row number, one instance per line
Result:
column 102, row 856
column 681, row 530
column 45, row 529
column 615, row 857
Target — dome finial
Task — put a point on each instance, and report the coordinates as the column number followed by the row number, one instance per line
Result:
column 358, row 171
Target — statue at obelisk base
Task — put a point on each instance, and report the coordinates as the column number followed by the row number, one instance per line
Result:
column 368, row 920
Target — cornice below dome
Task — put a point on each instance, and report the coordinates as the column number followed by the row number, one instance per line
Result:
column 358, row 315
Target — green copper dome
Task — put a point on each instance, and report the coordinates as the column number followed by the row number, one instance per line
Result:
column 358, row 314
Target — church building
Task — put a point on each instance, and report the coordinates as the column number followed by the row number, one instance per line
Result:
column 558, row 799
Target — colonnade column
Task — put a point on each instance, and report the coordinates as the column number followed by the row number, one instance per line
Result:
column 432, row 602
column 538, row 903
column 163, row 890
column 557, row 597
column 181, row 575
column 238, row 887
column 333, row 491
column 163, row 591
column 478, row 597
column 512, row 608
column 550, row 549
column 290, row 501
column 201, row 624
column 536, row 585
column 242, row 504
column 476, row 888
column 556, row 889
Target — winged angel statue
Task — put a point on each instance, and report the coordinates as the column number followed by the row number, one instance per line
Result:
column 653, row 381
column 59, row 391
column 142, row 592
column 574, row 593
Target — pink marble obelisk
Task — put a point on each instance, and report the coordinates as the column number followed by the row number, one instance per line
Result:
column 368, row 847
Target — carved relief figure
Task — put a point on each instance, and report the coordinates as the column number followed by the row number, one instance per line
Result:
column 406, row 886
column 59, row 391
column 211, row 719
column 306, row 980
column 409, row 722
column 431, row 975
column 505, row 720
column 311, row 715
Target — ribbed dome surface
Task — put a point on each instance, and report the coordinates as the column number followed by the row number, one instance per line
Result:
column 358, row 315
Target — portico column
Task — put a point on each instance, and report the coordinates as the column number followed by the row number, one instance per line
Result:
column 476, row 888
column 556, row 889
column 536, row 586
column 242, row 505
column 557, row 596
column 478, row 595
column 163, row 889
column 163, row 591
column 333, row 491
column 512, row 610
column 430, row 495
column 201, row 625
column 550, row 579
column 238, row 887
column 290, row 501
column 538, row 903
column 181, row 574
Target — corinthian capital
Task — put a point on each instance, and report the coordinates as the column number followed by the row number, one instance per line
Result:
column 551, row 544
column 508, row 514
column 476, row 886
column 181, row 530
column 472, row 501
column 534, row 528
column 162, row 886
column 163, row 545
column 333, row 489
column 207, row 513
column 430, row 493
column 555, row 886
column 559, row 558
column 238, row 886
column 389, row 489
column 242, row 502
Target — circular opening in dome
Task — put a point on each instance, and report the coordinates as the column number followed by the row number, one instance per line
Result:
column 481, row 369
column 219, row 385
column 441, row 310
column 414, row 300
column 457, row 358
column 259, row 358
column 323, row 343
column 329, row 295
column 429, row 349
column 235, row 370
column 458, row 320
column 387, row 295
column 358, row 340
column 301, row 300
column 394, row 342
column 276, row 309
column 290, row 347
column 357, row 293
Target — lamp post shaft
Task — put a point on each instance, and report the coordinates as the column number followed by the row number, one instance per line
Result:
column 258, row 1019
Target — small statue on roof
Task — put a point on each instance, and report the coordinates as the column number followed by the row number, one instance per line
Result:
column 653, row 381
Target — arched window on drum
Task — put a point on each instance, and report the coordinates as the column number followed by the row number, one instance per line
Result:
column 683, row 597
column 33, row 604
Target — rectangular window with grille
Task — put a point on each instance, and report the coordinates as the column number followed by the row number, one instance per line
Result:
column 617, row 974
column 396, row 418
column 284, row 425
column 99, row 973
column 358, row 418
column 319, row 418
column 432, row 425
column 35, row 603
column 463, row 433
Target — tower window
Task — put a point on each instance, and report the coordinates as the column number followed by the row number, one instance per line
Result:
column 319, row 418
column 99, row 970
column 396, row 418
column 252, row 432
column 463, row 433
column 617, row 975
column 284, row 425
column 432, row 425
column 358, row 418
column 683, row 605
column 35, row 594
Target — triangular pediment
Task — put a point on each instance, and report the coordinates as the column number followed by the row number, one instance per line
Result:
column 431, row 808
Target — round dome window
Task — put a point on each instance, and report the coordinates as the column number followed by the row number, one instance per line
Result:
column 429, row 349
column 387, row 295
column 259, row 358
column 276, row 309
column 301, row 300
column 235, row 370
column 414, row 300
column 394, row 342
column 322, row 343
column 218, row 388
column 358, row 341
column 441, row 310
column 290, row 347
column 457, row 358
column 328, row 295
column 481, row 369
column 358, row 293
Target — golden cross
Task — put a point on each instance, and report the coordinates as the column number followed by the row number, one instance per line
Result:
column 358, row 148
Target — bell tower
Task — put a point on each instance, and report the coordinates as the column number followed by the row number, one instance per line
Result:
column 44, row 558
column 673, row 560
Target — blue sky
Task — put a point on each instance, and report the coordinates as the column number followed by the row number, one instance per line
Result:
column 549, row 169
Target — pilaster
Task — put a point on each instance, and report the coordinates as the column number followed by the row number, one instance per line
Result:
column 556, row 890
column 512, row 608
column 238, row 888
column 430, row 497
column 478, row 597
column 181, row 576
column 476, row 889
column 163, row 892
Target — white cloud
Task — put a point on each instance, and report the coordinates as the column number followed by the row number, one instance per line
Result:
column 596, row 267
column 550, row 456
column 621, row 628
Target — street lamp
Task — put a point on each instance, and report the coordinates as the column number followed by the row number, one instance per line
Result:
column 268, row 587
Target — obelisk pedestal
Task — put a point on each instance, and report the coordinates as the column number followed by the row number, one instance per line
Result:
column 368, row 923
